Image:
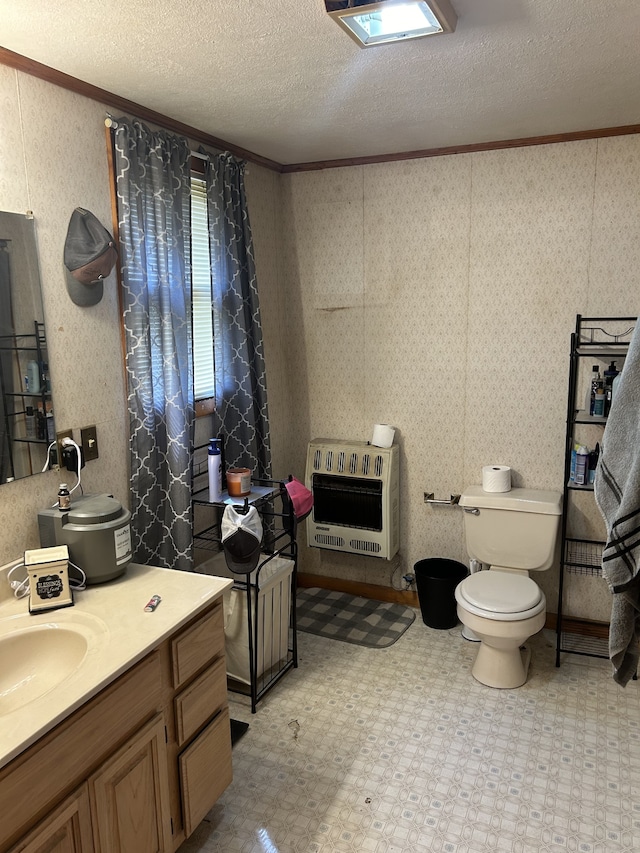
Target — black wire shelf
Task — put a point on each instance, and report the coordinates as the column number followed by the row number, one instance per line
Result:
column 583, row 557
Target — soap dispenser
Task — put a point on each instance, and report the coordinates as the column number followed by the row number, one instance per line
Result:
column 215, row 471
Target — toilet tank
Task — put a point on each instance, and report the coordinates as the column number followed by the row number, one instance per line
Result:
column 516, row 529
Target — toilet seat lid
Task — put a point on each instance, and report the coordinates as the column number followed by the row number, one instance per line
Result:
column 501, row 592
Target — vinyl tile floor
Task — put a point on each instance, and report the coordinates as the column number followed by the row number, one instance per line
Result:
column 400, row 750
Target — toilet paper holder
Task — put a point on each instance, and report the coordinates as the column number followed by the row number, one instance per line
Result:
column 430, row 499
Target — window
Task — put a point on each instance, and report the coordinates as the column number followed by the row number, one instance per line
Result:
column 203, row 358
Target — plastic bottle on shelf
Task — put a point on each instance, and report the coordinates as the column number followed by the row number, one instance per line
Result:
column 609, row 377
column 582, row 466
column 614, row 385
column 33, row 372
column 214, row 459
column 593, row 463
column 50, row 430
column 30, row 423
column 41, row 424
column 599, row 403
column 574, row 460
column 591, row 389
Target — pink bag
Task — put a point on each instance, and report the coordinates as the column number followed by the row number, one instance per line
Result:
column 301, row 498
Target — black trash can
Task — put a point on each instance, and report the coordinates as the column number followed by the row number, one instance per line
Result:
column 436, row 581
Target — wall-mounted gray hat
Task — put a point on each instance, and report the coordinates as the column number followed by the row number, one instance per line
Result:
column 89, row 256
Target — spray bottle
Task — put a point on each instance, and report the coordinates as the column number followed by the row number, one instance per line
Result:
column 582, row 466
column 215, row 472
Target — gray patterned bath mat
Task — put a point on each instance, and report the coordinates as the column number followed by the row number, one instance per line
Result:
column 350, row 618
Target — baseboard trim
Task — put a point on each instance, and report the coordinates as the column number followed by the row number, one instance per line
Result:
column 366, row 590
column 583, row 627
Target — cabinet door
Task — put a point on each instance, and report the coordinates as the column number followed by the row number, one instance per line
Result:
column 205, row 770
column 130, row 796
column 66, row 830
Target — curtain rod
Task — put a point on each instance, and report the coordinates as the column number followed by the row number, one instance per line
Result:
column 111, row 123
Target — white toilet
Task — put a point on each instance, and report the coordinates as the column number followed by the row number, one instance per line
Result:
column 513, row 533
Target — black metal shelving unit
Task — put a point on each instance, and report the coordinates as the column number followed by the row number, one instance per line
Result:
column 600, row 339
column 270, row 656
column 33, row 345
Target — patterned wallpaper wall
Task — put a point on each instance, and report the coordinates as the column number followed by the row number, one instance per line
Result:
column 437, row 295
column 53, row 159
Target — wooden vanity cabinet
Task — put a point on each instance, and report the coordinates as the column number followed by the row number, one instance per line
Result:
column 137, row 767
column 66, row 830
column 200, row 747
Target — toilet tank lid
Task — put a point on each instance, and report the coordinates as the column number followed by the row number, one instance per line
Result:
column 520, row 500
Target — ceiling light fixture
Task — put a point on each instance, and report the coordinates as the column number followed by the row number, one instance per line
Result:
column 370, row 24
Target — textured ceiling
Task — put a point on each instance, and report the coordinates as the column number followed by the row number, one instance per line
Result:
column 281, row 79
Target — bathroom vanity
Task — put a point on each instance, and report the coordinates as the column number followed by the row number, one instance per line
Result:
column 129, row 746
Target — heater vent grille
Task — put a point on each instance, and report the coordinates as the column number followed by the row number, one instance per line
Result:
column 333, row 541
column 363, row 546
column 341, row 462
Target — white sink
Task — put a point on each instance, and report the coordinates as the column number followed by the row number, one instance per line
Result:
column 37, row 657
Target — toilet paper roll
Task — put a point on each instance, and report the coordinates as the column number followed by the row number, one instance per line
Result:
column 496, row 478
column 382, row 435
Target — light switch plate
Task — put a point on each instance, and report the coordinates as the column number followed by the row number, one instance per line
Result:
column 89, row 439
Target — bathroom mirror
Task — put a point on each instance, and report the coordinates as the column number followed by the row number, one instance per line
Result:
column 26, row 402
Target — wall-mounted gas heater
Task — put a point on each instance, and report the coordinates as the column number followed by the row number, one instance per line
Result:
column 356, row 503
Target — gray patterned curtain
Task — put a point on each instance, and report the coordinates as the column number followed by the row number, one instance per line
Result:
column 241, row 385
column 153, row 192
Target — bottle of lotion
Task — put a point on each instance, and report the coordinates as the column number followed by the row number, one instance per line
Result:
column 215, row 472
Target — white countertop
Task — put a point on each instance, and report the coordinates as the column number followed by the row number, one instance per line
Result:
column 119, row 633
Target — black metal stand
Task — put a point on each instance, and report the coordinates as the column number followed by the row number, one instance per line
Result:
column 266, row 666
column 599, row 338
